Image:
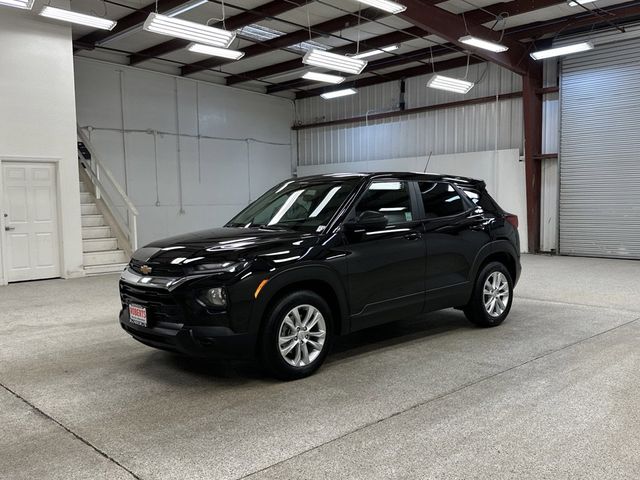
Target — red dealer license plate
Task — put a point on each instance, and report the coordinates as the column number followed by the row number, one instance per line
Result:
column 138, row 315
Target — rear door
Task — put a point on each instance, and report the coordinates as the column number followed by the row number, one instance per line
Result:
column 454, row 233
column 387, row 267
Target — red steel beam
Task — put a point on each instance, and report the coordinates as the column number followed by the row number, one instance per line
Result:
column 289, row 39
column 243, row 19
column 451, row 27
column 532, row 111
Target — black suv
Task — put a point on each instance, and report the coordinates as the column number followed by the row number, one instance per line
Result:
column 321, row 256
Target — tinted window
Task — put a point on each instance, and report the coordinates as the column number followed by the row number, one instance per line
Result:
column 483, row 199
column 440, row 199
column 298, row 205
column 389, row 197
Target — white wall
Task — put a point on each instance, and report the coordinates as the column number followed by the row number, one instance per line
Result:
column 192, row 154
column 487, row 126
column 502, row 171
column 37, row 113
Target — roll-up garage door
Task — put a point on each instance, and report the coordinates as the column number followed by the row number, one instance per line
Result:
column 600, row 152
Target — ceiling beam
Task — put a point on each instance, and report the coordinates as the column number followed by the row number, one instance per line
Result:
column 603, row 15
column 473, row 17
column 398, row 36
column 289, row 39
column 271, row 9
column 451, row 27
column 135, row 19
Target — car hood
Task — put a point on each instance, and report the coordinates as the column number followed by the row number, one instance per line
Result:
column 207, row 249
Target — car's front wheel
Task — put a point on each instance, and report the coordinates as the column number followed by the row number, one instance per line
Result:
column 492, row 296
column 297, row 335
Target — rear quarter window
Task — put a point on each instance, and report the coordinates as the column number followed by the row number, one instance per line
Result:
column 440, row 199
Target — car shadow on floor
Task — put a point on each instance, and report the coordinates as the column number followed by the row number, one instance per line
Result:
column 353, row 345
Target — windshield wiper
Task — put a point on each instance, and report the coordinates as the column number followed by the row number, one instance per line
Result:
column 272, row 227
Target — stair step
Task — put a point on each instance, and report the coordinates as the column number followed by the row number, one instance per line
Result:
column 89, row 209
column 92, row 220
column 86, row 197
column 103, row 269
column 104, row 258
column 99, row 245
column 83, row 188
column 96, row 232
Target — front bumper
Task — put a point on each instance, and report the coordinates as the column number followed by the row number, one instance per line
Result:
column 194, row 341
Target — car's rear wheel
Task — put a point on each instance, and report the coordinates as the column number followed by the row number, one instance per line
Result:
column 297, row 335
column 492, row 296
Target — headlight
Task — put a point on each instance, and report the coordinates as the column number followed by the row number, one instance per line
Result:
column 218, row 267
column 215, row 297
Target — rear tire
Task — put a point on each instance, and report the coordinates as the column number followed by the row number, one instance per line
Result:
column 492, row 296
column 297, row 335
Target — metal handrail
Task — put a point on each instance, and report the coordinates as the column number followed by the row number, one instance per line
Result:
column 97, row 172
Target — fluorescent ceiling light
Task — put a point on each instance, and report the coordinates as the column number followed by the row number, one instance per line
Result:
column 558, row 51
column 263, row 34
column 196, row 32
column 456, row 85
column 332, row 61
column 79, row 18
column 185, row 8
column 323, row 77
column 338, row 93
column 372, row 53
column 484, row 44
column 25, row 4
column 386, row 5
column 580, row 2
column 216, row 51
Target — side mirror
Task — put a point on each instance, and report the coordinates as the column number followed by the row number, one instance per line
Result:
column 368, row 220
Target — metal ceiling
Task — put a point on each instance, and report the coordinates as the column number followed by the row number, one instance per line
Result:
column 273, row 34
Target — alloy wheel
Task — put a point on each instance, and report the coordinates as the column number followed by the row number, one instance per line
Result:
column 302, row 335
column 495, row 294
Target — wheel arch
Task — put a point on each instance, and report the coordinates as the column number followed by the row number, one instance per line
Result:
column 500, row 251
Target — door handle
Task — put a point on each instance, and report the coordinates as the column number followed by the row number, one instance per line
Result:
column 8, row 229
column 412, row 236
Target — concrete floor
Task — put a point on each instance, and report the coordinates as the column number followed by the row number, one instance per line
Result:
column 553, row 393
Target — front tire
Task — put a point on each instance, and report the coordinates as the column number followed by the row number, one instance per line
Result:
column 492, row 296
column 297, row 335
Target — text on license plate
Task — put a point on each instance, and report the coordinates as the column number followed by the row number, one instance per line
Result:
column 138, row 315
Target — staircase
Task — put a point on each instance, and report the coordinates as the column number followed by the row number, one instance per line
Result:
column 99, row 246
column 109, row 218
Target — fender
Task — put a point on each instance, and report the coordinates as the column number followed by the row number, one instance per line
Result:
column 283, row 279
column 496, row 246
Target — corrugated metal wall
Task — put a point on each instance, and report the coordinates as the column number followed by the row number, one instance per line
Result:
column 463, row 129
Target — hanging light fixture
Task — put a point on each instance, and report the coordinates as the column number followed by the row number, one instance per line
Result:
column 24, row 4
column 196, row 32
column 386, row 5
column 372, row 53
column 78, row 18
column 338, row 93
column 559, row 51
column 450, row 84
column 575, row 3
column 323, row 77
column 483, row 44
column 332, row 61
column 215, row 51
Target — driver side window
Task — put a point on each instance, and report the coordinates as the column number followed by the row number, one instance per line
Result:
column 391, row 198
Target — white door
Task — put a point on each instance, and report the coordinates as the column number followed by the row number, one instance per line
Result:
column 29, row 207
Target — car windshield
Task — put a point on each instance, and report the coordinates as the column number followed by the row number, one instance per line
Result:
column 297, row 205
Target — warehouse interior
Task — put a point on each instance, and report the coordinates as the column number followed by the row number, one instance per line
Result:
column 115, row 133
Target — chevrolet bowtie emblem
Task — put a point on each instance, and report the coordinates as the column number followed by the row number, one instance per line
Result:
column 145, row 269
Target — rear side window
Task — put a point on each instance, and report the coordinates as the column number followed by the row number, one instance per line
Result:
column 391, row 198
column 482, row 199
column 440, row 199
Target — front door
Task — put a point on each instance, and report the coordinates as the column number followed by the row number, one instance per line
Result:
column 386, row 267
column 29, row 207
